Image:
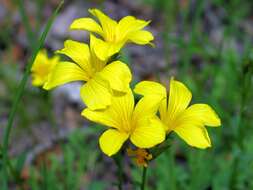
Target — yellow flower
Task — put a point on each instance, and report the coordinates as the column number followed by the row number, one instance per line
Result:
column 42, row 66
column 188, row 122
column 101, row 78
column 141, row 156
column 115, row 34
column 139, row 123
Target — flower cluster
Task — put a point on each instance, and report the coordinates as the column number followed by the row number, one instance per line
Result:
column 109, row 98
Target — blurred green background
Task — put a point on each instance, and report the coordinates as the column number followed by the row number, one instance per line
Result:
column 205, row 44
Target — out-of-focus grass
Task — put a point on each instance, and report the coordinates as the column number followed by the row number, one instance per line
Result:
column 224, row 80
column 218, row 74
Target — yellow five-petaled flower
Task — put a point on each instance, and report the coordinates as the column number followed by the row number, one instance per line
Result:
column 187, row 122
column 101, row 78
column 41, row 68
column 115, row 34
column 139, row 123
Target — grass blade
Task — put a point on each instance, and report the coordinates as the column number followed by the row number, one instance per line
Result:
column 19, row 94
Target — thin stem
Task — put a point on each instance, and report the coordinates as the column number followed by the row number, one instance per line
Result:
column 118, row 161
column 144, row 176
column 18, row 97
column 25, row 20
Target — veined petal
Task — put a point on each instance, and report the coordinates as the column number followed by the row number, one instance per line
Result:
column 129, row 24
column 179, row 99
column 140, row 37
column 117, row 115
column 194, row 135
column 190, row 125
column 149, row 88
column 103, row 50
column 148, row 133
column 203, row 113
column 118, row 75
column 146, row 107
column 104, row 117
column 86, row 24
column 79, row 53
column 108, row 25
column 65, row 72
column 96, row 93
column 111, row 141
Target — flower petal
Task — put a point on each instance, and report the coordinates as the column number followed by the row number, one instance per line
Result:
column 117, row 115
column 65, row 72
column 96, row 93
column 118, row 75
column 111, row 141
column 204, row 113
column 149, row 88
column 179, row 99
column 190, row 125
column 194, row 135
column 103, row 50
column 41, row 68
column 146, row 107
column 108, row 25
column 129, row 24
column 141, row 37
column 79, row 53
column 86, row 24
column 148, row 133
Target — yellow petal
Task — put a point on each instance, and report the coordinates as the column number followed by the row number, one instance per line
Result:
column 179, row 99
column 103, row 50
column 148, row 133
column 129, row 24
column 140, row 37
column 108, row 25
column 41, row 68
column 65, row 72
column 190, row 125
column 146, row 107
column 86, row 24
column 194, row 135
column 149, row 88
column 96, row 93
column 79, row 53
column 117, row 115
column 118, row 75
column 204, row 113
column 111, row 141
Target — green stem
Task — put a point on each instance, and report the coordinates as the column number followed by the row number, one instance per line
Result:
column 118, row 161
column 144, row 176
column 29, row 32
column 18, row 97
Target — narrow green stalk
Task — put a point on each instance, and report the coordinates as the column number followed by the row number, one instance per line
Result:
column 144, row 176
column 118, row 161
column 19, row 94
column 30, row 34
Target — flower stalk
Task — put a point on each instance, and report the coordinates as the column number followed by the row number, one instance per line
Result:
column 144, row 176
